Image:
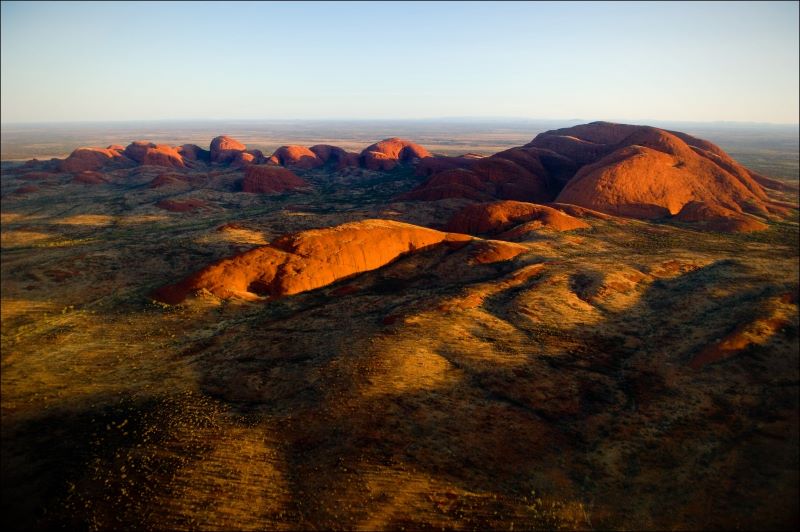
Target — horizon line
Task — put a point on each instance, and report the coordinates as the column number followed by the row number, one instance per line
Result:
column 500, row 118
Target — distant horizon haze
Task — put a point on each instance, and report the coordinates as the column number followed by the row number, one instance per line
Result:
column 499, row 120
column 179, row 61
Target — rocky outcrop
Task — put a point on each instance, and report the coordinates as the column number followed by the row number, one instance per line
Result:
column 433, row 165
column 147, row 153
column 618, row 169
column 717, row 218
column 265, row 179
column 92, row 159
column 247, row 157
column 297, row 156
column 387, row 154
column 335, row 156
column 525, row 174
column 193, row 152
column 490, row 251
column 308, row 260
column 655, row 173
column 224, row 149
column 496, row 217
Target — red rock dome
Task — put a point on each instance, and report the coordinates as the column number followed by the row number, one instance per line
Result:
column 224, row 149
column 717, row 218
column 490, row 218
column 154, row 154
column 91, row 159
column 264, row 179
column 619, row 169
column 311, row 259
column 386, row 154
column 297, row 156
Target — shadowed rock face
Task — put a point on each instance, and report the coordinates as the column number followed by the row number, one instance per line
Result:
column 245, row 158
column 263, row 179
column 489, row 218
column 335, row 155
column 137, row 149
column 432, row 165
column 312, row 259
column 224, row 149
column 193, row 152
column 525, row 174
column 388, row 153
column 635, row 171
column 316, row 156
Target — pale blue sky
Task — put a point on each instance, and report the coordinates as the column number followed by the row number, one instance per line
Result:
column 97, row 61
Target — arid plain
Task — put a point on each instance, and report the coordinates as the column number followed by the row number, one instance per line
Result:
column 555, row 336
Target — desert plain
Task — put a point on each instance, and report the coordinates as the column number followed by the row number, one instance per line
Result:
column 412, row 334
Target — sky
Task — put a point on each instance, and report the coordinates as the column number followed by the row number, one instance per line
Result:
column 692, row 61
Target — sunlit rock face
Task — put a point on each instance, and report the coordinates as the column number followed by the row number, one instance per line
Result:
column 224, row 149
column 635, row 171
column 147, row 153
column 311, row 259
column 92, row 159
column 297, row 156
column 388, row 153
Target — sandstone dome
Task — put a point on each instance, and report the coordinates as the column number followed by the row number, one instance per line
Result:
column 388, row 153
column 495, row 217
column 266, row 179
column 224, row 149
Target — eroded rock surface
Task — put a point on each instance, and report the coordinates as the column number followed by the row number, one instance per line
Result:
column 311, row 259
